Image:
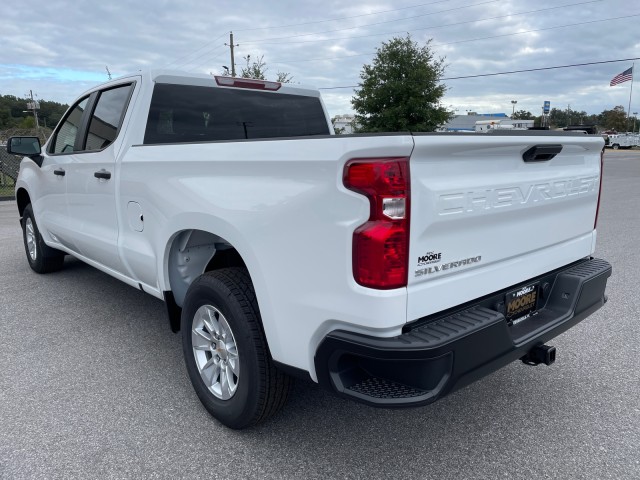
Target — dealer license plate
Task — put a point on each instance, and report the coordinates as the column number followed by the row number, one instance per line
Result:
column 521, row 303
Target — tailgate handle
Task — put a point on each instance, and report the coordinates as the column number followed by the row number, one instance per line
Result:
column 541, row 153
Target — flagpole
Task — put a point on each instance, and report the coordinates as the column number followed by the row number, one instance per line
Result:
column 630, row 92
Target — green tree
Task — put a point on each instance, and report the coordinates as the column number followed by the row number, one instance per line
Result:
column 258, row 69
column 5, row 118
column 284, row 77
column 522, row 115
column 562, row 118
column 13, row 111
column 558, row 118
column 337, row 130
column 51, row 112
column 28, row 122
column 585, row 119
column 615, row 119
column 401, row 89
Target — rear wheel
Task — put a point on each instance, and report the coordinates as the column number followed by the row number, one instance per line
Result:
column 42, row 258
column 225, row 350
column 615, row 146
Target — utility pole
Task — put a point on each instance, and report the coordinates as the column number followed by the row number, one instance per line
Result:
column 35, row 111
column 633, row 69
column 231, row 45
column 568, row 118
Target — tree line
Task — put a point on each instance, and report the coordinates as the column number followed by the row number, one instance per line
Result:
column 14, row 113
column 614, row 119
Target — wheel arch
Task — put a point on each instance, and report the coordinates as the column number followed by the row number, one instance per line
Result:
column 23, row 199
column 189, row 254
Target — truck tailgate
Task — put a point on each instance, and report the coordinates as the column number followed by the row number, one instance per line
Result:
column 483, row 218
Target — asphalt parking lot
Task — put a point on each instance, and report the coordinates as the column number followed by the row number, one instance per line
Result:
column 92, row 384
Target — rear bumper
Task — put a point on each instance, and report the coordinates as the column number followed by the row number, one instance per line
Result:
column 442, row 353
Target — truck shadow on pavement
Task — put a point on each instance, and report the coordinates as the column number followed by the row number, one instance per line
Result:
column 115, row 377
column 315, row 427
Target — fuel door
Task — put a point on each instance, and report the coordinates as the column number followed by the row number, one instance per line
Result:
column 136, row 218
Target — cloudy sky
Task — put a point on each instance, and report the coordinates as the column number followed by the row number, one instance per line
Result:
column 59, row 48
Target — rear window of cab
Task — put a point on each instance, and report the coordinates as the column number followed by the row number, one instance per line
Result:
column 188, row 113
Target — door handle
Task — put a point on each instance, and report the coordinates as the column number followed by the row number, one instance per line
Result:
column 59, row 171
column 541, row 153
column 102, row 174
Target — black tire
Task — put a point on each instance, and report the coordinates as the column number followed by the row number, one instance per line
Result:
column 615, row 146
column 261, row 389
column 44, row 259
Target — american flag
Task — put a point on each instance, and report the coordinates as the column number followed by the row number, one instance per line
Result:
column 622, row 77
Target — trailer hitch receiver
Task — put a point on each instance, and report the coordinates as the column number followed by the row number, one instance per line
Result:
column 540, row 354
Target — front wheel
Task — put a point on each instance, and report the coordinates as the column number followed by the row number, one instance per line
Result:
column 615, row 146
column 41, row 257
column 225, row 350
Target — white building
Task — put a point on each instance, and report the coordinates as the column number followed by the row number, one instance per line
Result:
column 467, row 123
column 343, row 123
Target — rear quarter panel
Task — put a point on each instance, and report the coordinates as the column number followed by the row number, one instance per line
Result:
column 282, row 205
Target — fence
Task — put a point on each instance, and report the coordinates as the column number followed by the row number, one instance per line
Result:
column 10, row 164
column 9, row 167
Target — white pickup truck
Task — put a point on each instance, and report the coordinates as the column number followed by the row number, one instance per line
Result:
column 392, row 269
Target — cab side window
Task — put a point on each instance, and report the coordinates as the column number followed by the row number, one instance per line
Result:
column 66, row 136
column 107, row 117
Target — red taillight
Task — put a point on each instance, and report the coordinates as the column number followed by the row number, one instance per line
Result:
column 247, row 83
column 381, row 245
column 595, row 222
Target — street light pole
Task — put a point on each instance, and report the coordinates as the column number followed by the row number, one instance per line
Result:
column 513, row 110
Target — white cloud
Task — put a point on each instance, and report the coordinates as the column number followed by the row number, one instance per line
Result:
column 317, row 44
column 534, row 51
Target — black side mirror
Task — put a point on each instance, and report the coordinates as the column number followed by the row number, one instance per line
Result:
column 26, row 146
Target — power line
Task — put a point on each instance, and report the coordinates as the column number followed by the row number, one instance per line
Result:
column 220, row 58
column 624, row 17
column 295, row 25
column 195, row 51
column 192, row 61
column 431, row 27
column 339, row 18
column 263, row 41
column 514, row 71
column 541, row 69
